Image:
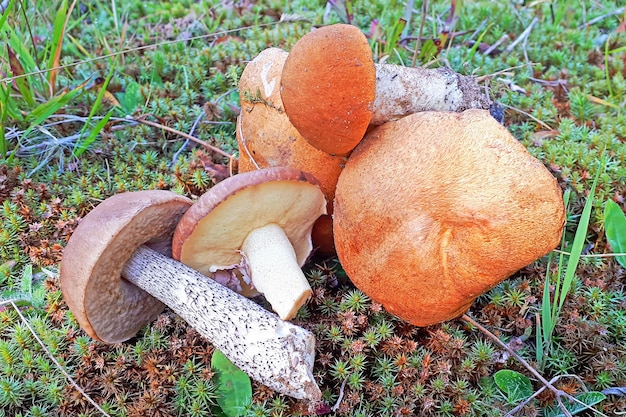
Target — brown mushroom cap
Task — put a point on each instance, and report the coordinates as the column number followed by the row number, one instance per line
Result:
column 210, row 234
column 328, row 87
column 105, row 305
column 267, row 138
column 435, row 209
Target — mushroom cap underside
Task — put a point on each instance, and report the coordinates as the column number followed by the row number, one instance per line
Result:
column 455, row 205
column 210, row 234
column 266, row 137
column 108, row 307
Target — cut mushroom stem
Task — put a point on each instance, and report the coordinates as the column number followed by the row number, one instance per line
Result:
column 401, row 91
column 273, row 265
column 274, row 352
column 259, row 222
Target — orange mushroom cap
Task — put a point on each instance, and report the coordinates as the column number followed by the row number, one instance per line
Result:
column 437, row 208
column 266, row 137
column 328, row 87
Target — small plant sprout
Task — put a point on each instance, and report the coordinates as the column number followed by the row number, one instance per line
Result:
column 615, row 229
column 551, row 309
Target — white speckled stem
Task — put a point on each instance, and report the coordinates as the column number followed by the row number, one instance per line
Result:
column 274, row 270
column 274, row 352
column 401, row 91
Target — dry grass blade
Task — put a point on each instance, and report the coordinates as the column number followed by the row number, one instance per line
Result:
column 59, row 34
column 53, row 359
column 546, row 384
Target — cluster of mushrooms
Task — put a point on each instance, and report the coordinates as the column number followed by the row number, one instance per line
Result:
column 427, row 201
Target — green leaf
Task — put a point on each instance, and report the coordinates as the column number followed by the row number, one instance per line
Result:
column 30, row 292
column 232, row 386
column 45, row 110
column 615, row 229
column 589, row 398
column 26, row 284
column 515, row 385
column 131, row 98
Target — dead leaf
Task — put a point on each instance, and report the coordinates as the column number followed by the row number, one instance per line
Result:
column 16, row 66
column 539, row 137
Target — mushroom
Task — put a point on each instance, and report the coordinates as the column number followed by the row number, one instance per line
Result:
column 328, row 86
column 267, row 138
column 457, row 206
column 332, row 90
column 257, row 223
column 116, row 276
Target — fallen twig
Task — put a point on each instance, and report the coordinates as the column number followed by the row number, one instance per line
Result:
column 53, row 359
column 523, row 36
column 542, row 123
column 180, row 133
column 604, row 16
column 546, row 384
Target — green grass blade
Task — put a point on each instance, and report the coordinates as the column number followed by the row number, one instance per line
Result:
column 393, row 36
column 84, row 144
column 547, row 320
column 5, row 15
column 22, row 83
column 26, row 59
column 615, row 229
column 5, row 104
column 60, row 23
column 8, row 107
column 472, row 51
column 579, row 240
column 94, row 108
column 43, row 111
column 539, row 354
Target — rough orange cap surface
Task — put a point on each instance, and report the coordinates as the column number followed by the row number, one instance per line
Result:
column 328, row 87
column 437, row 208
column 266, row 137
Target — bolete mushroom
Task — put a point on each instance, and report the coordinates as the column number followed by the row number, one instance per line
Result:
column 116, row 276
column 436, row 208
column 332, row 90
column 266, row 137
column 257, row 223
column 328, row 87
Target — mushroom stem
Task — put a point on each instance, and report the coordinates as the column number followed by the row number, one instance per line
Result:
column 401, row 91
column 276, row 353
column 274, row 270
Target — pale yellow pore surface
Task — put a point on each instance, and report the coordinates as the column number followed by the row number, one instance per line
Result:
column 216, row 240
